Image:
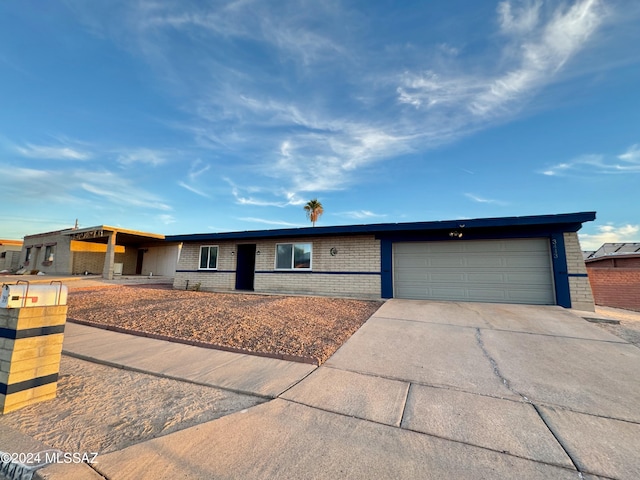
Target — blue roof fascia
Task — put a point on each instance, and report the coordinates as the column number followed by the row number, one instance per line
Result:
column 559, row 222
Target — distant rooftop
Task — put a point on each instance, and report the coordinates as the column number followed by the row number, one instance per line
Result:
column 609, row 249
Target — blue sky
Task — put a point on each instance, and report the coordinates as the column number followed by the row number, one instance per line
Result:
column 201, row 116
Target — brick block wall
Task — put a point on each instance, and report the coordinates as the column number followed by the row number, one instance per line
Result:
column 29, row 364
column 579, row 286
column 92, row 262
column 616, row 287
column 352, row 271
column 613, row 262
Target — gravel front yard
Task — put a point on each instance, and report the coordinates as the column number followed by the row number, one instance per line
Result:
column 311, row 327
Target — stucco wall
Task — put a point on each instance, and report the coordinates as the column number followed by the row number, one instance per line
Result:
column 10, row 257
column 62, row 261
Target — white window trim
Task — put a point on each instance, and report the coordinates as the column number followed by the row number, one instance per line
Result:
column 200, row 257
column 293, row 269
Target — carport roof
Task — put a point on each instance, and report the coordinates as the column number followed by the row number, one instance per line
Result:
column 100, row 234
column 569, row 222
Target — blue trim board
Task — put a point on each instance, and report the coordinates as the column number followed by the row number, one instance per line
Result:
column 314, row 272
column 13, row 334
column 205, row 271
column 8, row 389
column 568, row 222
column 298, row 272
column 386, row 265
column 560, row 275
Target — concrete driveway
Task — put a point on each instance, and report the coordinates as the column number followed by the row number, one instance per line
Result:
column 431, row 390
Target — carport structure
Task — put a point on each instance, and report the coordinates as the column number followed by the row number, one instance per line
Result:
column 99, row 249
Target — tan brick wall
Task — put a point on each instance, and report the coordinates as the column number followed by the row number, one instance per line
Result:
column 354, row 254
column 91, row 262
column 25, row 359
column 579, row 287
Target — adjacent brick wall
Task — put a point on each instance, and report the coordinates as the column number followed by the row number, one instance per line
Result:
column 352, row 271
column 579, row 287
column 616, row 283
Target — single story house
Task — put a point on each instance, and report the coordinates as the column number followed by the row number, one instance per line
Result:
column 10, row 254
column 102, row 250
column 614, row 274
column 529, row 260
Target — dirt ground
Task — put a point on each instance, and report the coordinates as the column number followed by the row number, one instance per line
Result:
column 629, row 327
column 103, row 409
column 310, row 327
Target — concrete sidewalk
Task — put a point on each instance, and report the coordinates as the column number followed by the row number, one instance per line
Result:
column 264, row 377
column 423, row 390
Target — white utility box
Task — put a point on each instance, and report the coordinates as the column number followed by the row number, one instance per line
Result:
column 24, row 295
column 117, row 268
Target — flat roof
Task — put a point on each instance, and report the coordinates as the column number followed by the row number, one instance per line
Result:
column 563, row 221
column 108, row 228
column 15, row 243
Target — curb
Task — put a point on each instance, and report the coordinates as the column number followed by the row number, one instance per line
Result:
column 196, row 343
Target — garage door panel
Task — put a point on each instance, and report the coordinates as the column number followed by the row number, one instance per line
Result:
column 512, row 271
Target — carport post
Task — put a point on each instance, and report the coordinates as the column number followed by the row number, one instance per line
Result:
column 109, row 259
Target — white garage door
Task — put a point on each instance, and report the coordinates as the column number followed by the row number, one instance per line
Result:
column 502, row 271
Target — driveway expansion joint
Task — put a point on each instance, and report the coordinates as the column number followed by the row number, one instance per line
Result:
column 506, row 383
column 417, row 432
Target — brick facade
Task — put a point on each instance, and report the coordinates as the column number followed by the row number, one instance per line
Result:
column 579, row 287
column 353, row 270
column 616, row 282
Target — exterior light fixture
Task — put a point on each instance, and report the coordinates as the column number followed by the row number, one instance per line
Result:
column 333, row 251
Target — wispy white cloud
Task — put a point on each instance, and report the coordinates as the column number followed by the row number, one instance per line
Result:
column 142, row 155
column 117, row 189
column 272, row 222
column 196, row 170
column 632, row 155
column 305, row 133
column 193, row 190
column 48, row 152
column 479, row 199
column 65, row 187
column 625, row 163
column 535, row 51
column 167, row 219
column 518, row 19
column 361, row 214
column 609, row 234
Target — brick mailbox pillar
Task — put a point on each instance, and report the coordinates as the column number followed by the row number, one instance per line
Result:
column 32, row 320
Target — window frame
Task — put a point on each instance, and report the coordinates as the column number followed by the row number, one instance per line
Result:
column 292, row 268
column 49, row 253
column 217, row 247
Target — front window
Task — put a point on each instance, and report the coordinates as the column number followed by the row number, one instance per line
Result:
column 49, row 252
column 291, row 256
column 209, row 257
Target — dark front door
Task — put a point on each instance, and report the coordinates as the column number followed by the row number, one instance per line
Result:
column 139, row 261
column 245, row 266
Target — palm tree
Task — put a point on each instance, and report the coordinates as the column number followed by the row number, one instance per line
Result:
column 314, row 210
